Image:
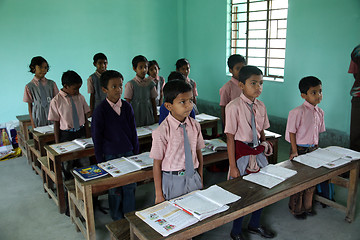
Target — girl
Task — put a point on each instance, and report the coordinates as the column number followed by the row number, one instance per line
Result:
column 158, row 80
column 39, row 92
column 183, row 66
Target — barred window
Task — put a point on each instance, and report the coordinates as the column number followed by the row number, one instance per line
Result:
column 258, row 32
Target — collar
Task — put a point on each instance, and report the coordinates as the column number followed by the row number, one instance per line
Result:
column 97, row 73
column 142, row 82
column 118, row 104
column 234, row 81
column 62, row 93
column 309, row 105
column 173, row 122
column 248, row 101
column 37, row 80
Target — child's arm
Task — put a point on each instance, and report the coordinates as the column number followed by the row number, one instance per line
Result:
column 92, row 103
column 87, row 129
column 223, row 115
column 201, row 164
column 159, row 196
column 234, row 171
column 30, row 107
column 262, row 136
column 153, row 103
column 57, row 131
column 294, row 152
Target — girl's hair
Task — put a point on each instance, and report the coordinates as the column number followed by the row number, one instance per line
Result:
column 247, row 71
column 38, row 60
column 181, row 62
column 152, row 63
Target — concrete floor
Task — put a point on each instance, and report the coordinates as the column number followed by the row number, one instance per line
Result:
column 26, row 212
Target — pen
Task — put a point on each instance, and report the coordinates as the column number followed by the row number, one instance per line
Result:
column 183, row 209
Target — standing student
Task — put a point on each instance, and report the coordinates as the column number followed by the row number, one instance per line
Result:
column 304, row 125
column 231, row 89
column 176, row 146
column 183, row 66
column 39, row 92
column 114, row 134
column 246, row 119
column 93, row 82
column 355, row 101
column 141, row 93
column 158, row 80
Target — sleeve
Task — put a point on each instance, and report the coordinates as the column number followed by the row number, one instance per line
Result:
column 195, row 89
column 164, row 113
column 159, row 144
column 90, row 85
column 153, row 92
column 230, row 119
column 322, row 126
column 85, row 105
column 200, row 140
column 54, row 114
column 132, row 125
column 266, row 121
column 292, row 124
column 27, row 95
column 224, row 96
column 129, row 90
column 97, row 134
column 55, row 89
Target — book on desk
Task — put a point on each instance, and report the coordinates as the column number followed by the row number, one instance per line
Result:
column 74, row 145
column 90, row 172
column 213, row 145
column 45, row 129
column 176, row 214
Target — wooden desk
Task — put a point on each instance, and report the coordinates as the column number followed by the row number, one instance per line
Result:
column 24, row 136
column 254, row 197
column 41, row 139
column 54, row 165
column 81, row 202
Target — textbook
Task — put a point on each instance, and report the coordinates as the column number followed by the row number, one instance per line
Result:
column 121, row 166
column 142, row 131
column 270, row 176
column 89, row 173
column 216, row 144
column 171, row 216
column 204, row 117
column 45, row 129
column 72, row 145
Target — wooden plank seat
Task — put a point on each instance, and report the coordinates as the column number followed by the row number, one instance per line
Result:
column 119, row 230
column 34, row 156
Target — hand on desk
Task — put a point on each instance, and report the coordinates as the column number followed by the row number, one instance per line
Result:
column 292, row 155
column 234, row 172
column 159, row 199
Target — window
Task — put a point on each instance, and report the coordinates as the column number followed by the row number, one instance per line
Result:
column 258, row 32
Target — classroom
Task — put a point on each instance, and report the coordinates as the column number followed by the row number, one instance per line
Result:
column 320, row 37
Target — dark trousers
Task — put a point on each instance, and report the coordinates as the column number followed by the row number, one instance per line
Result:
column 355, row 124
column 253, row 223
column 121, row 199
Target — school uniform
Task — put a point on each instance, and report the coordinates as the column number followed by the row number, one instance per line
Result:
column 159, row 85
column 238, row 123
column 355, row 109
column 168, row 146
column 229, row 91
column 114, row 135
column 94, row 87
column 40, row 92
column 307, row 122
column 141, row 91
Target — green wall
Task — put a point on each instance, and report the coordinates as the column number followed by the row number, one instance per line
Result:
column 68, row 34
column 321, row 35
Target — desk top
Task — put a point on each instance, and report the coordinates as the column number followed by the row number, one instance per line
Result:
column 253, row 197
column 23, row 118
column 85, row 152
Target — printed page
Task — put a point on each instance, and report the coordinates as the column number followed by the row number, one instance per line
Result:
column 204, row 117
column 354, row 155
column 166, row 218
column 219, row 195
column 337, row 163
column 65, row 147
column 277, row 171
column 118, row 167
column 84, row 142
column 45, row 129
column 141, row 131
column 263, row 179
column 207, row 151
column 142, row 160
column 325, row 155
column 215, row 144
column 310, row 161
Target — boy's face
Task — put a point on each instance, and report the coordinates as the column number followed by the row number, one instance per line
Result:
column 73, row 89
column 236, row 69
column 154, row 71
column 253, row 87
column 101, row 65
column 313, row 95
column 181, row 106
column 114, row 89
column 40, row 71
column 185, row 70
column 141, row 69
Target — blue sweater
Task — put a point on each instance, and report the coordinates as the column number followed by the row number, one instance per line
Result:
column 164, row 113
column 111, row 133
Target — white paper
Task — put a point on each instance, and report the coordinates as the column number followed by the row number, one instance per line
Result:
column 118, row 167
column 325, row 155
column 65, row 147
column 142, row 160
column 263, row 179
column 142, row 131
column 310, row 161
column 205, row 117
column 271, row 134
column 354, row 155
column 84, row 142
column 45, row 129
column 278, row 172
column 337, row 163
column 219, row 195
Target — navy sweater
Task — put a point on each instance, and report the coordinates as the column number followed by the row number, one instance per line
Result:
column 111, row 133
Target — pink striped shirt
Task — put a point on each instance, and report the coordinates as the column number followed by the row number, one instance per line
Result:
column 27, row 94
column 238, row 118
column 229, row 91
column 115, row 106
column 306, row 121
column 168, row 143
column 61, row 109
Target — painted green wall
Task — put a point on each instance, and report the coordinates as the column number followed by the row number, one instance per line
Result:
column 321, row 35
column 68, row 34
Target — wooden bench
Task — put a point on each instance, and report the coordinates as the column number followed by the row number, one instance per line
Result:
column 34, row 156
column 48, row 177
column 119, row 230
column 28, row 145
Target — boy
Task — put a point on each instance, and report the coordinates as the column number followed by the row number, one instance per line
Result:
column 141, row 93
column 176, row 146
column 302, row 131
column 231, row 89
column 93, row 82
column 114, row 134
column 246, row 119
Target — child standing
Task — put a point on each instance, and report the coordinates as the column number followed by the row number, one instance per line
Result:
column 183, row 66
column 246, row 119
column 114, row 135
column 158, row 80
column 93, row 82
column 302, row 130
column 39, row 92
column 176, row 146
column 69, row 110
column 231, row 89
column 141, row 93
